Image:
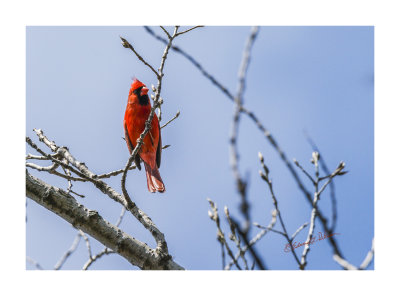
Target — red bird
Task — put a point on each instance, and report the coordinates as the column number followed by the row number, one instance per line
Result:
column 136, row 114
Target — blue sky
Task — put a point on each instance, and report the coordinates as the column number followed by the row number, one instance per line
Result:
column 318, row 79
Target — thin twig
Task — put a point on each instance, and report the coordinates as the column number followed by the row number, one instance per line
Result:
column 53, row 172
column 38, row 157
column 267, row 228
column 254, row 240
column 326, row 170
column 368, row 259
column 188, row 30
column 317, row 194
column 220, row 234
column 253, row 252
column 166, row 32
column 298, row 231
column 344, row 263
column 193, row 61
column 60, row 151
column 72, row 249
column 34, row 263
column 265, row 176
column 304, row 171
column 235, row 238
column 126, row 44
column 172, row 119
column 307, row 246
column 121, row 216
column 115, row 173
column 39, row 168
column 364, row 265
column 91, row 260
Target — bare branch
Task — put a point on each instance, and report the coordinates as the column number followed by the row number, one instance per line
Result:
column 298, row 231
column 332, row 185
column 193, row 61
column 91, row 260
column 315, row 159
column 39, row 168
column 115, row 173
column 61, row 152
column 121, row 216
column 53, row 172
column 241, row 184
column 172, row 119
column 364, row 265
column 259, row 236
column 166, row 32
column 65, row 206
column 250, row 248
column 304, row 171
column 72, row 249
column 83, row 170
column 368, row 259
column 265, row 177
column 126, row 44
column 38, row 157
column 220, row 234
column 88, row 246
column 235, row 238
column 188, row 30
column 267, row 228
column 337, row 172
column 317, row 194
column 34, row 263
column 344, row 263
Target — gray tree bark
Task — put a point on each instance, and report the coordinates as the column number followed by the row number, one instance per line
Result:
column 90, row 222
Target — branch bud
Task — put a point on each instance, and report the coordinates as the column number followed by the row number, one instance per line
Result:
column 315, row 157
column 261, row 157
column 210, row 214
column 226, row 211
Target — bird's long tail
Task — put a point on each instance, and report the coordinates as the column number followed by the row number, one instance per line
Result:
column 154, row 181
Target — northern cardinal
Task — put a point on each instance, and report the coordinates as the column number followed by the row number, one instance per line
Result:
column 136, row 114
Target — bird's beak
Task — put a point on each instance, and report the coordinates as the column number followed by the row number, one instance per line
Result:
column 144, row 91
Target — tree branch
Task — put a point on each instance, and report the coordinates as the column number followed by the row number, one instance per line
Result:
column 65, row 206
column 126, row 44
column 83, row 170
column 241, row 184
column 265, row 176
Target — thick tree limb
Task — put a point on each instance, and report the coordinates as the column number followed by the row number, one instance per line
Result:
column 65, row 206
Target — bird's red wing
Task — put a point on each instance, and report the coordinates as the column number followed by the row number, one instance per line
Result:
column 127, row 139
column 159, row 147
